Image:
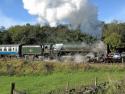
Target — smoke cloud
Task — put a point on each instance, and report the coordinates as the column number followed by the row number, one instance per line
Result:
column 78, row 14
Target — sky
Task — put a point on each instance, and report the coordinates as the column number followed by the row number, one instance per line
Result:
column 13, row 13
column 109, row 10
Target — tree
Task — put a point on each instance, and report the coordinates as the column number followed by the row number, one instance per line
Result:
column 35, row 34
column 114, row 40
column 6, row 38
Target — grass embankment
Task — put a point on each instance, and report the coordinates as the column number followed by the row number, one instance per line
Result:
column 42, row 77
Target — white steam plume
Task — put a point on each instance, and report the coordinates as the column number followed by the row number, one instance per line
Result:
column 79, row 14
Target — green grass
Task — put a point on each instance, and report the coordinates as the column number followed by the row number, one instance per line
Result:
column 41, row 77
column 45, row 83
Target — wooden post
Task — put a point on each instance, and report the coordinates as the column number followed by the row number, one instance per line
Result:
column 122, row 60
column 12, row 87
column 67, row 88
column 95, row 81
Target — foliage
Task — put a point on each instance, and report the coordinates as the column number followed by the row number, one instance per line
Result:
column 21, row 67
column 114, row 34
column 35, row 34
column 114, row 40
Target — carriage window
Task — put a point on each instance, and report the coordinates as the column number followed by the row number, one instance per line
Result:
column 5, row 49
column 9, row 49
column 0, row 49
column 13, row 49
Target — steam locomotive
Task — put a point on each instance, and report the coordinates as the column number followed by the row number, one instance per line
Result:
column 45, row 50
column 54, row 51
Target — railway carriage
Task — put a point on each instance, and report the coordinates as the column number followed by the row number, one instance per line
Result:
column 10, row 50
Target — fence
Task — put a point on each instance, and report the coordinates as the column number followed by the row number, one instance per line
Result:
column 93, row 89
column 97, row 88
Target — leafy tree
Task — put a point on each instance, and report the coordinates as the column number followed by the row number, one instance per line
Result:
column 114, row 40
column 114, row 34
column 35, row 34
column 6, row 38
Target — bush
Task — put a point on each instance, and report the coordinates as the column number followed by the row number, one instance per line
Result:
column 20, row 67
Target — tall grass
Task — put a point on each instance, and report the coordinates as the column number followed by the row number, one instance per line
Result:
column 21, row 67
